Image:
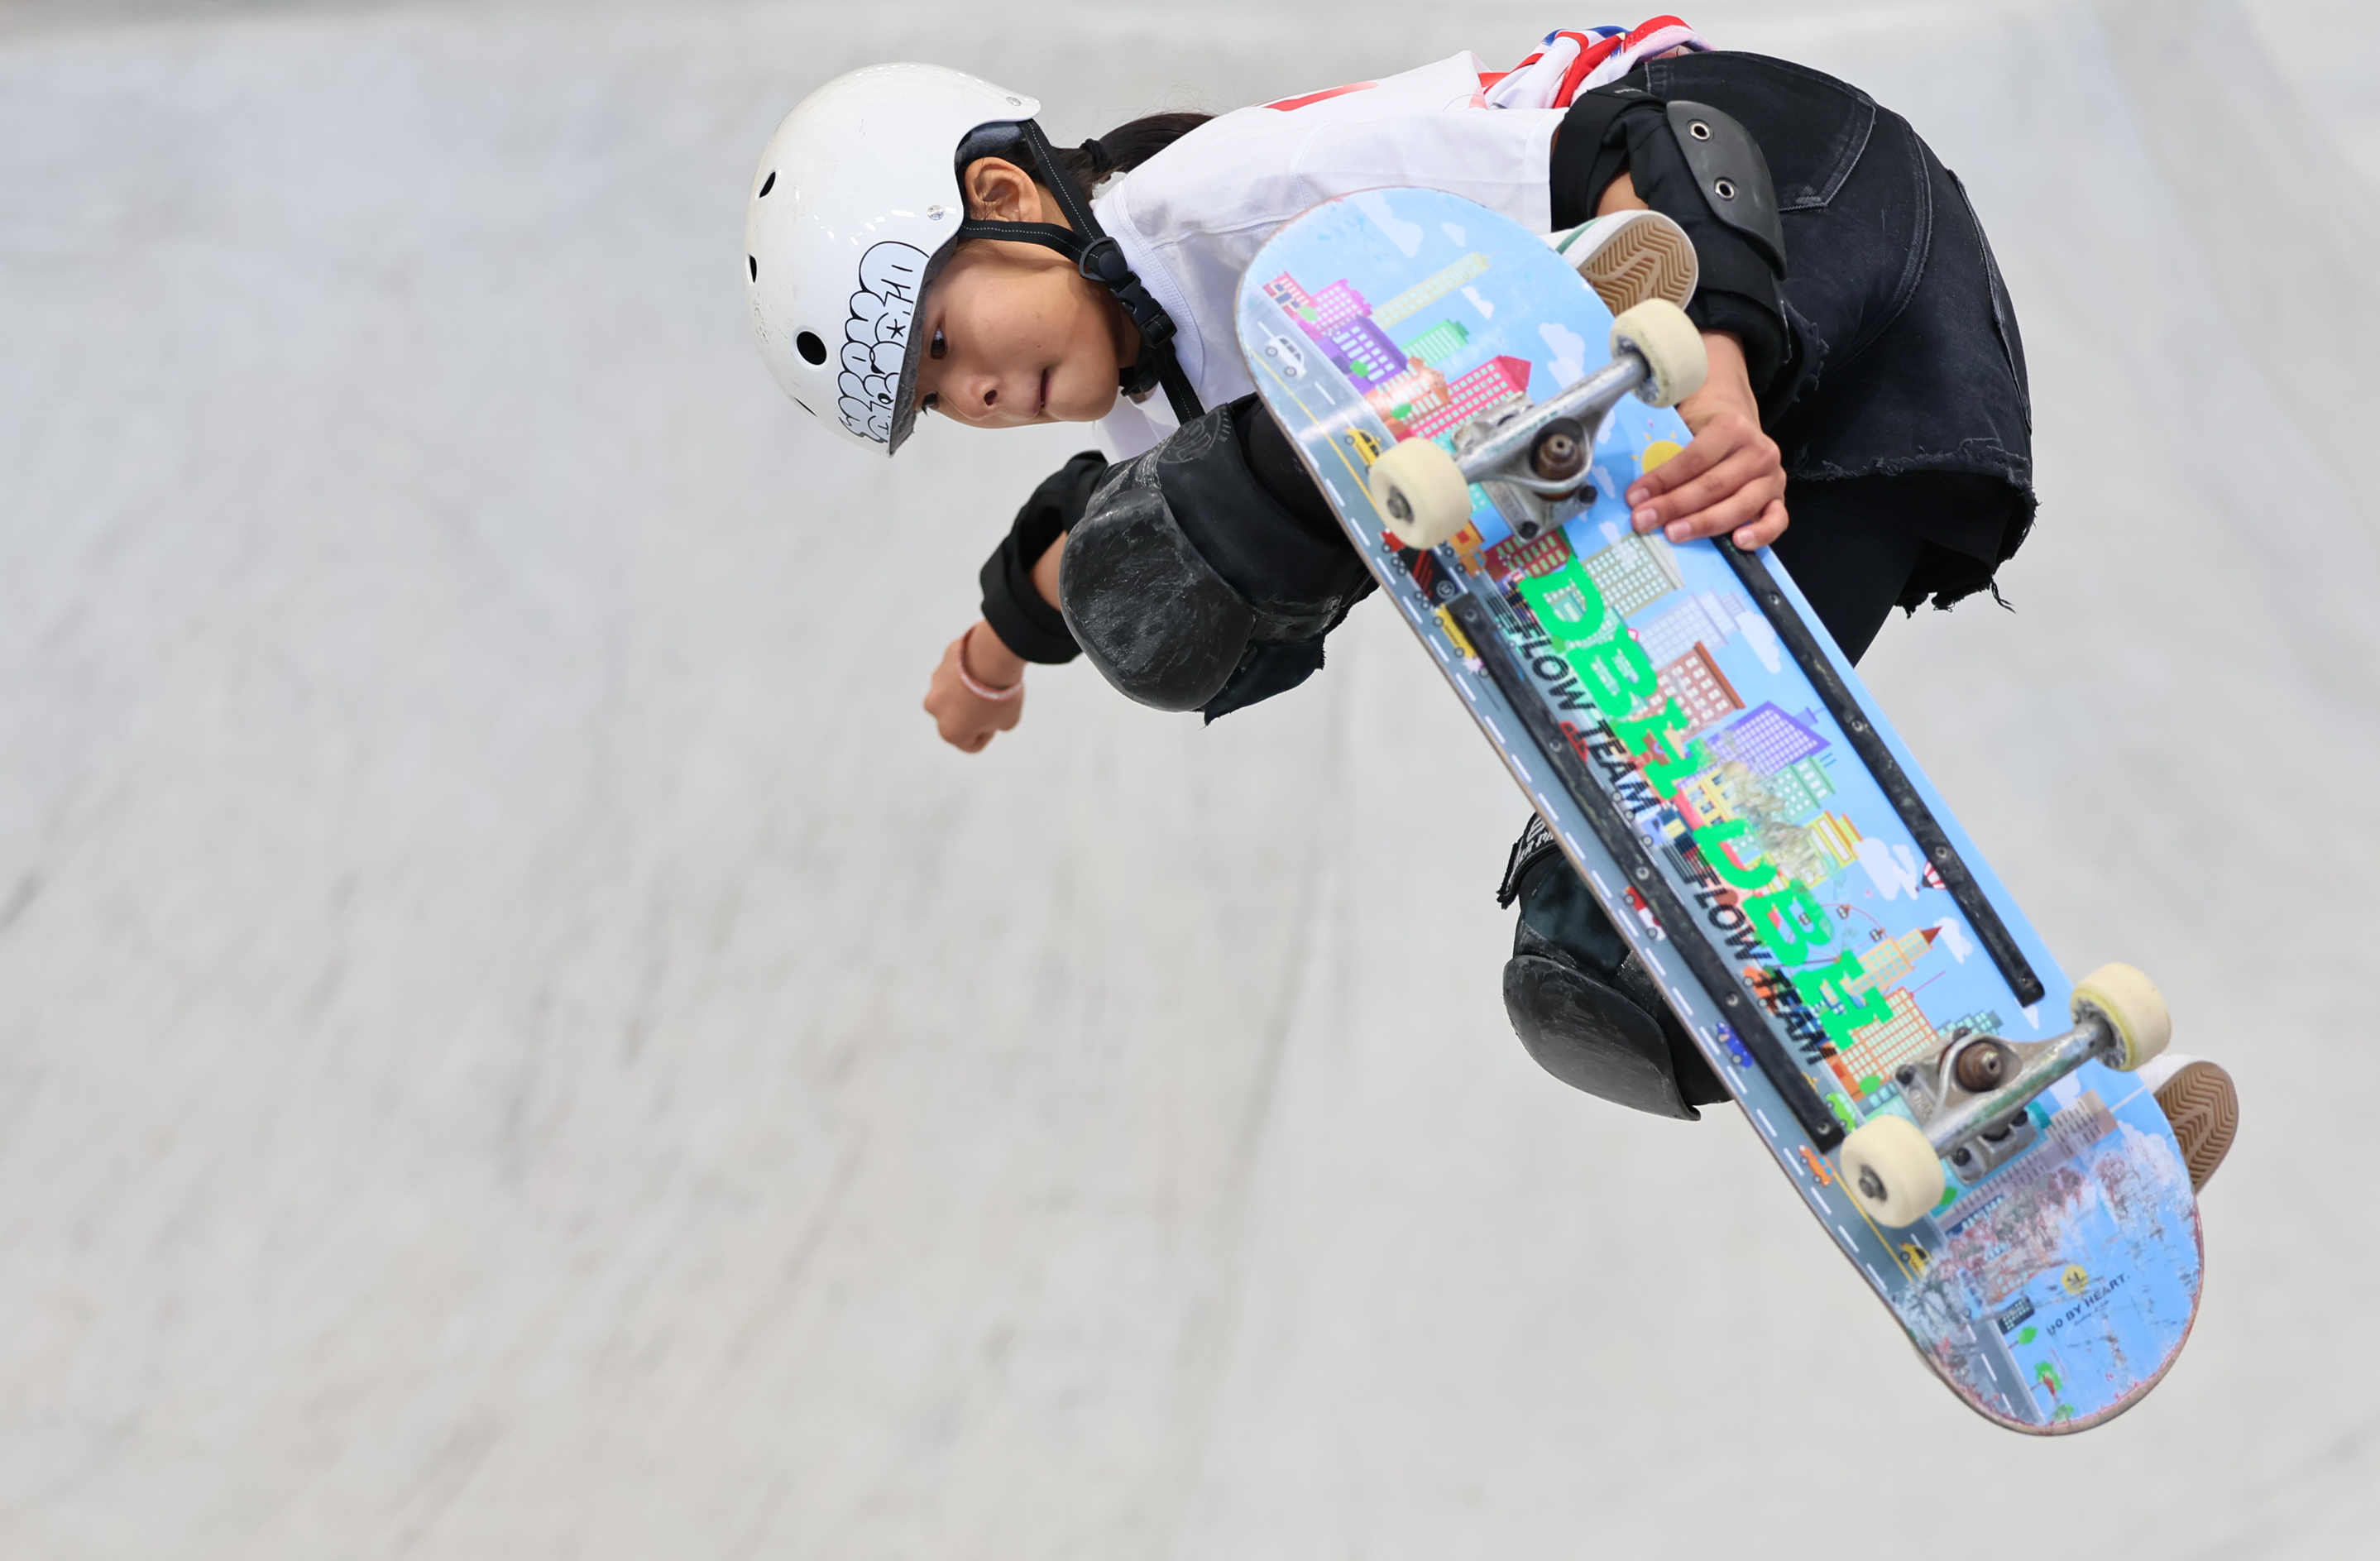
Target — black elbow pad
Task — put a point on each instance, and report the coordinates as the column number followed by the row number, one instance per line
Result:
column 1210, row 566
column 1011, row 604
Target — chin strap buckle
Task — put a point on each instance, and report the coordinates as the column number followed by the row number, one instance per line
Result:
column 1102, row 261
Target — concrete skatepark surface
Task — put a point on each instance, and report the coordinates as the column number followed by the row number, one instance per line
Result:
column 516, row 1041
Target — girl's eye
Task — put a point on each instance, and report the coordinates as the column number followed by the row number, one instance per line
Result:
column 938, row 348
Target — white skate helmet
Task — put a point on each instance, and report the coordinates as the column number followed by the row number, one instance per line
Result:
column 854, row 205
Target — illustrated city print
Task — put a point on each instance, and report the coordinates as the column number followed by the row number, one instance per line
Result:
column 1673, row 688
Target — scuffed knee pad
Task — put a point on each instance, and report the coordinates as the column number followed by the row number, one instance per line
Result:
column 1697, row 1085
column 1591, row 1038
column 1149, row 612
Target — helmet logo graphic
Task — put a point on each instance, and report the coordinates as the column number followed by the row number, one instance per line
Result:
column 875, row 336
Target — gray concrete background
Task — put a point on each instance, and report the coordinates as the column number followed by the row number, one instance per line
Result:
column 516, row 1041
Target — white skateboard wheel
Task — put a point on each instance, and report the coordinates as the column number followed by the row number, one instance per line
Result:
column 1659, row 333
column 1422, row 493
column 2133, row 1007
column 1890, row 1168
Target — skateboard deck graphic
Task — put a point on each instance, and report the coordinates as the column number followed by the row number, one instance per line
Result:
column 2051, row 1290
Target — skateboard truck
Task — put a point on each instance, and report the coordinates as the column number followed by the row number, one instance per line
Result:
column 1967, row 1102
column 1532, row 459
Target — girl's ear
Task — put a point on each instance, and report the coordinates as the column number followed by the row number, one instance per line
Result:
column 1000, row 191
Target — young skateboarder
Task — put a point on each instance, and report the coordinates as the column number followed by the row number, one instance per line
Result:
column 914, row 245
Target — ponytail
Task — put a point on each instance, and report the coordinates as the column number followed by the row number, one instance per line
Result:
column 1127, row 147
column 1118, row 151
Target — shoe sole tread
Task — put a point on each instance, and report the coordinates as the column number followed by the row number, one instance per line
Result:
column 2204, row 1106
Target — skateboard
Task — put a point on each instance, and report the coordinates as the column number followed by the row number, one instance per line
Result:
column 1961, row 1118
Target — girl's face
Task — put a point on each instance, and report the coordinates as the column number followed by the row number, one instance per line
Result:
column 1014, row 334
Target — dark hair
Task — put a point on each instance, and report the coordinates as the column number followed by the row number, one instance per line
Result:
column 1127, row 147
column 1118, row 151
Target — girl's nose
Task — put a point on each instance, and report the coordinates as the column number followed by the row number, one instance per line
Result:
column 980, row 394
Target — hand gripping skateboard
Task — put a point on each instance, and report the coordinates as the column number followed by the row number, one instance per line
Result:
column 1962, row 1118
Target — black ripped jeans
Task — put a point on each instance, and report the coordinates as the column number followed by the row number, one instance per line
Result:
column 1886, row 357
column 1861, row 546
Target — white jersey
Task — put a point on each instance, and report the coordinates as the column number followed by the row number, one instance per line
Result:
column 1190, row 219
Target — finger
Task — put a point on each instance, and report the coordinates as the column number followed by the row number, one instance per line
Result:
column 1743, row 507
column 1740, row 473
column 1746, row 465
column 1720, row 519
column 1766, row 529
column 1712, row 442
column 1697, row 457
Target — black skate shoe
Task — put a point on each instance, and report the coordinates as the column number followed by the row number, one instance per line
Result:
column 1583, row 1005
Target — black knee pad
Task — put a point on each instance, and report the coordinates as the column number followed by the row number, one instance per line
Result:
column 1732, row 174
column 1592, row 1037
column 1149, row 613
column 1203, row 577
column 1588, row 1009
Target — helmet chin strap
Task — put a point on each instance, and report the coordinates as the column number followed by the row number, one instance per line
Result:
column 1100, row 260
